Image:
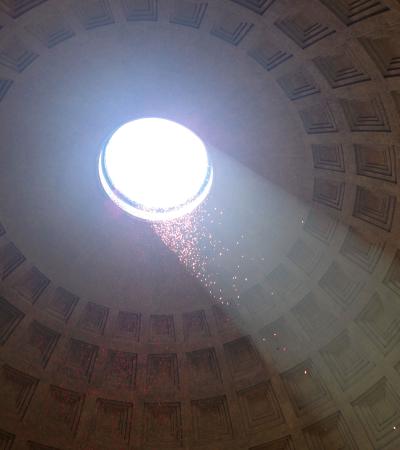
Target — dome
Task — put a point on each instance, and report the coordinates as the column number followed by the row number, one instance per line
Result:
column 268, row 318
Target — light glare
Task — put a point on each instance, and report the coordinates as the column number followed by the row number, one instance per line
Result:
column 155, row 169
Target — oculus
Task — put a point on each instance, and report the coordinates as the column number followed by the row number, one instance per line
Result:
column 155, row 169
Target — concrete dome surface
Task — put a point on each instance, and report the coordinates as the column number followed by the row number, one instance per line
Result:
column 269, row 319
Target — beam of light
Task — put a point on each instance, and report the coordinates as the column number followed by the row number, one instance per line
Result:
column 199, row 249
column 223, row 243
column 155, row 169
column 189, row 238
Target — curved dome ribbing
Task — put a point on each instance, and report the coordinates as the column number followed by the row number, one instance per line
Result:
column 106, row 340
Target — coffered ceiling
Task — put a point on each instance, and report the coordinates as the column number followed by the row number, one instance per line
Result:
column 108, row 340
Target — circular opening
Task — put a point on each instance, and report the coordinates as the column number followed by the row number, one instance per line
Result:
column 155, row 169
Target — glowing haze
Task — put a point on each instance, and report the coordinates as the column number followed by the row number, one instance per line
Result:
column 155, row 169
